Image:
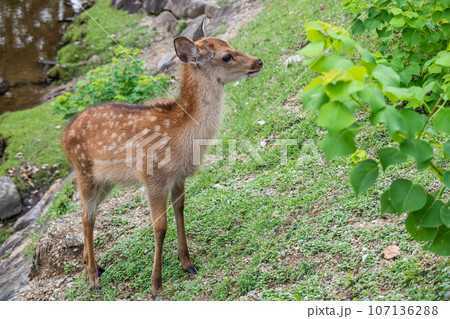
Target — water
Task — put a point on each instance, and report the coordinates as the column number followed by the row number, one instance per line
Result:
column 29, row 32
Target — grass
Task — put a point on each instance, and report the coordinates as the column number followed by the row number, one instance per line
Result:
column 4, row 234
column 36, row 134
column 85, row 39
column 292, row 231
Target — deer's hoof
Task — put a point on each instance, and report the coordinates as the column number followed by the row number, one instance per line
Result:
column 191, row 270
column 100, row 271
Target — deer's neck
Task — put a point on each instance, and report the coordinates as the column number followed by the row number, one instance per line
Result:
column 201, row 96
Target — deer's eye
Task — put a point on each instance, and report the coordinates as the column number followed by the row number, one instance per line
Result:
column 227, row 58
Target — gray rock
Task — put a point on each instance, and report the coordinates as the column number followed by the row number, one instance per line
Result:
column 195, row 9
column 10, row 204
column 211, row 10
column 223, row 14
column 131, row 6
column 179, row 7
column 167, row 22
column 116, row 4
column 153, row 6
column 4, row 86
column 31, row 217
column 190, row 29
column 14, row 269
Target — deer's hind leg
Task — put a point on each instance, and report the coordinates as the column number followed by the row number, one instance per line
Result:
column 92, row 193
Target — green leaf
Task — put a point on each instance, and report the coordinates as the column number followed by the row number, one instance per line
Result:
column 339, row 143
column 406, row 196
column 358, row 27
column 411, row 37
column 364, row 175
column 389, row 156
column 440, row 245
column 386, row 204
column 442, row 120
column 447, row 148
column 314, row 97
column 335, row 116
column 371, row 24
column 437, row 15
column 446, row 179
column 417, row 232
column 445, row 216
column 413, row 122
column 443, row 58
column 365, row 54
column 330, row 62
column 386, row 76
column 397, row 21
column 372, row 96
column 405, row 76
column 314, row 48
column 430, row 214
column 420, row 150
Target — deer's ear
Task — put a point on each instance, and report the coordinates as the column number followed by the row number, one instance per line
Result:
column 186, row 50
column 200, row 32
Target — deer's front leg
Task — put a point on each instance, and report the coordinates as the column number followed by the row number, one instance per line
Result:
column 158, row 203
column 178, row 207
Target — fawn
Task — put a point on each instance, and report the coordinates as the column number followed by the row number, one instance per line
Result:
column 153, row 144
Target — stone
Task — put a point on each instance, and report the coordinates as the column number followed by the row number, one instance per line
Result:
column 211, row 10
column 10, row 204
column 131, row 6
column 223, row 14
column 31, row 216
column 190, row 29
column 116, row 4
column 153, row 6
column 167, row 22
column 4, row 86
column 178, row 7
column 195, row 9
column 14, row 268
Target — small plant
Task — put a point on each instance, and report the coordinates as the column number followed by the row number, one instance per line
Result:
column 181, row 26
column 61, row 205
column 4, row 234
column 120, row 81
column 68, row 268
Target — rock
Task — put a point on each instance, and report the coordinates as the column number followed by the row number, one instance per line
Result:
column 30, row 217
column 153, row 6
column 167, row 61
column 190, row 29
column 294, row 59
column 195, row 9
column 222, row 15
column 166, row 21
column 364, row 258
column 116, row 4
column 74, row 240
column 211, row 10
column 131, row 6
column 10, row 204
column 178, row 7
column 4, row 86
column 14, row 268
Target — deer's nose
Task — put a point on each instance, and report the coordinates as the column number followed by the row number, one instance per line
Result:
column 260, row 62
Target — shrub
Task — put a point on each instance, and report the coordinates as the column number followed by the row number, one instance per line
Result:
column 120, row 81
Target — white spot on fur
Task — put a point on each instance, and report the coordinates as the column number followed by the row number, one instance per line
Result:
column 157, row 127
column 166, row 122
column 153, row 118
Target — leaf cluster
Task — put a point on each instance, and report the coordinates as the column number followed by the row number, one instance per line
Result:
column 372, row 84
column 120, row 81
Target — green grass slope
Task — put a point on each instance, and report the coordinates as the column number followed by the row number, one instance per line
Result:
column 283, row 231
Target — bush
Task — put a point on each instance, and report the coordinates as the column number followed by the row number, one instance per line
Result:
column 374, row 86
column 120, row 81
